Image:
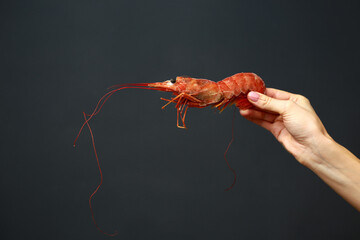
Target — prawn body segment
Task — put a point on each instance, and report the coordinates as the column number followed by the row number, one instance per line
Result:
column 190, row 92
column 199, row 93
column 206, row 92
column 236, row 88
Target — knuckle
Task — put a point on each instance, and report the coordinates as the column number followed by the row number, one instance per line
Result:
column 301, row 99
column 304, row 99
column 266, row 101
column 288, row 105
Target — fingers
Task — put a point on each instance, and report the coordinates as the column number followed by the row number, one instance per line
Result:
column 278, row 94
column 269, row 121
column 283, row 95
column 261, row 118
column 267, row 125
column 258, row 119
column 267, row 103
column 260, row 115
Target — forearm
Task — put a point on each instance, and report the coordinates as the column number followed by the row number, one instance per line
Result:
column 339, row 168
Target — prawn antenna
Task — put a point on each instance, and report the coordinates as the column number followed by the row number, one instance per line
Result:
column 228, row 147
column 97, row 188
column 104, row 98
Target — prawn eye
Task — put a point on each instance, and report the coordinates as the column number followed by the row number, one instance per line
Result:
column 173, row 80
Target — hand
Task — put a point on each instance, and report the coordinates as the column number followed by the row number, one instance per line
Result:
column 291, row 119
column 294, row 123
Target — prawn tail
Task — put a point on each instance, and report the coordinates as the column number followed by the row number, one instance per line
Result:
column 227, row 149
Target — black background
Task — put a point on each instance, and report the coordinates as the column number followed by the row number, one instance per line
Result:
column 161, row 182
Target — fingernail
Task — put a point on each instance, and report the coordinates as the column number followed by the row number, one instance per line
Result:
column 253, row 96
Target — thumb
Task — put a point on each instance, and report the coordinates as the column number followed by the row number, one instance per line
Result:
column 267, row 103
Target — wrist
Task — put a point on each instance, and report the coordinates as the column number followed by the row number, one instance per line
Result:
column 321, row 148
column 337, row 167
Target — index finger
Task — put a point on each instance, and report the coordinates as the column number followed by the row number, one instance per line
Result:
column 278, row 94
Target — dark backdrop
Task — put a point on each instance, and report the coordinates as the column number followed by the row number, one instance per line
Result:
column 161, row 182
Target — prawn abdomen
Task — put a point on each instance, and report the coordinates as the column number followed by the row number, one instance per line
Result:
column 236, row 87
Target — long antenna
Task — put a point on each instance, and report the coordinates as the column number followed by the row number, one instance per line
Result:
column 101, row 181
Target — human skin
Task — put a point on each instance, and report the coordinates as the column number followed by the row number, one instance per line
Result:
column 294, row 123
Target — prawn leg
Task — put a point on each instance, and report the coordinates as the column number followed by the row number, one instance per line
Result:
column 181, row 95
column 181, row 101
column 180, row 110
column 223, row 104
column 184, row 115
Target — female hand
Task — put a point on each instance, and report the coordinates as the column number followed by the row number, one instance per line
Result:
column 291, row 119
column 294, row 123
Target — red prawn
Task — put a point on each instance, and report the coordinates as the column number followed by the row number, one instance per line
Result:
column 189, row 92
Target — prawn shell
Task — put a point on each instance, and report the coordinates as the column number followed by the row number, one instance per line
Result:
column 236, row 87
